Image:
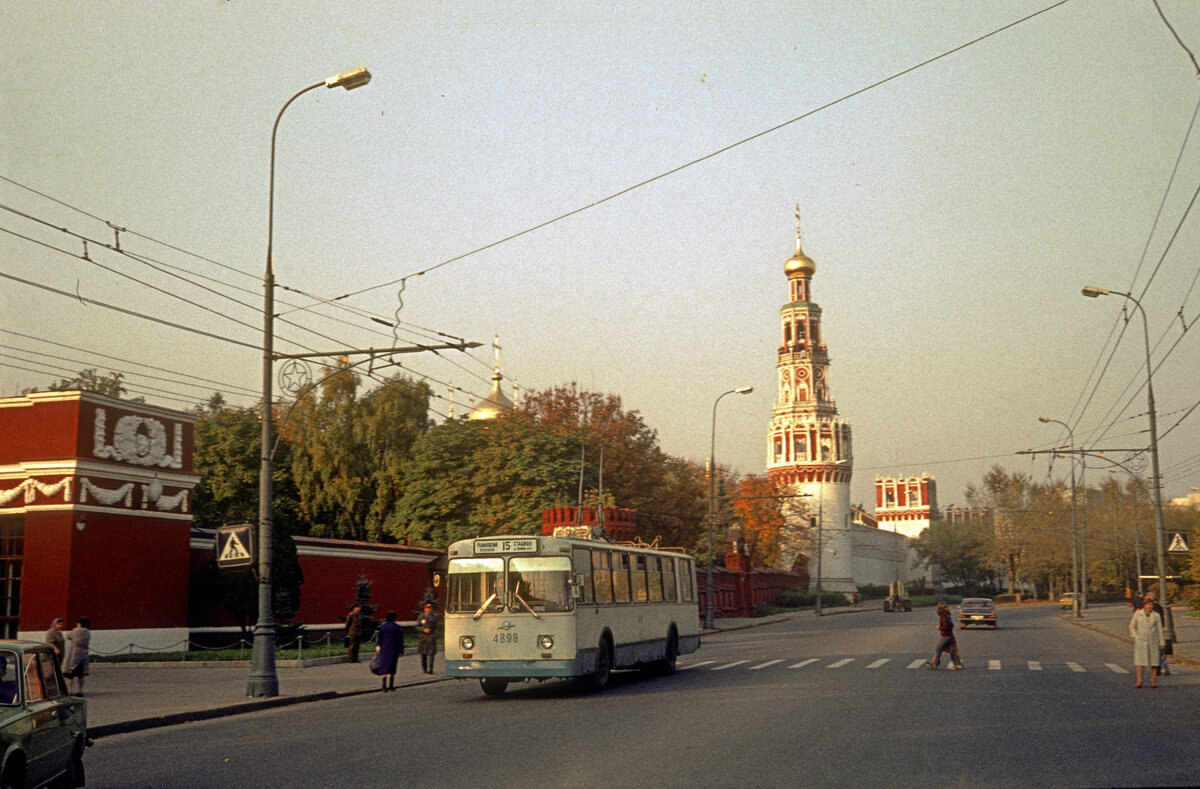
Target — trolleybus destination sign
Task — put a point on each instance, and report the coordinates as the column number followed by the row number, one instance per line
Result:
column 507, row 545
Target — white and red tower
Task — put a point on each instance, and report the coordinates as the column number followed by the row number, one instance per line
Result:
column 808, row 447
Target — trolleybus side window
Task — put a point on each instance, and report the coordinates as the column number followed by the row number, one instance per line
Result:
column 602, row 576
column 539, row 583
column 637, row 574
column 621, row 577
column 581, row 561
column 686, row 577
column 475, row 585
column 654, row 578
column 670, row 592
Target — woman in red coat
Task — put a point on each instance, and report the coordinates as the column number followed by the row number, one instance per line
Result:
column 946, row 643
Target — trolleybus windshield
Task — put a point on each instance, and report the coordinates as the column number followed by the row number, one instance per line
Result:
column 532, row 584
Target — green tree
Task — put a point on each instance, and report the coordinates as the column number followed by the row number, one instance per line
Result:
column 957, row 548
column 227, row 456
column 469, row 478
column 348, row 451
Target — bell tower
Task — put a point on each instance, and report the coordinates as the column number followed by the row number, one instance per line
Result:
column 808, row 447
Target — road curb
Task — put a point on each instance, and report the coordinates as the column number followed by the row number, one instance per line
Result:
column 175, row 718
column 1126, row 640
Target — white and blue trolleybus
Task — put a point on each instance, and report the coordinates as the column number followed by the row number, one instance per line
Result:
column 541, row 607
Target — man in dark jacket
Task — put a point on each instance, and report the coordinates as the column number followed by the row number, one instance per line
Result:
column 353, row 632
column 427, row 624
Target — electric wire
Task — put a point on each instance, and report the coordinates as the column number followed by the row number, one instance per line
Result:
column 713, row 154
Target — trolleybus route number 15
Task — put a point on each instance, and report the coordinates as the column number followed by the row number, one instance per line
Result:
column 506, row 546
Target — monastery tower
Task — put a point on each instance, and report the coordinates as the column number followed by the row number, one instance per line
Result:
column 808, row 447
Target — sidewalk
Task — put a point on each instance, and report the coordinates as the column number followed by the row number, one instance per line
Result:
column 1112, row 619
column 126, row 697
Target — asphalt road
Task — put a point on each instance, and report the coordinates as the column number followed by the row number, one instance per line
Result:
column 835, row 701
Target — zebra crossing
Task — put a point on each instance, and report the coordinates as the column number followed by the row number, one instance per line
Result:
column 873, row 664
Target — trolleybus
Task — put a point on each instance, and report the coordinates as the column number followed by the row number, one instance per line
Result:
column 542, row 607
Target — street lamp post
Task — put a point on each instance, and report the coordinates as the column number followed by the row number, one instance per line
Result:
column 1159, row 534
column 712, row 496
column 263, row 679
column 1074, row 520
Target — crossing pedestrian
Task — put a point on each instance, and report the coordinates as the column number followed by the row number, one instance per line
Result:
column 946, row 641
column 1147, row 631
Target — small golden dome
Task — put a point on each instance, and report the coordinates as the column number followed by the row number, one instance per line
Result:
column 800, row 263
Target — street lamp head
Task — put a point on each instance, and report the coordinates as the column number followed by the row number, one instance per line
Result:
column 744, row 390
column 1094, row 293
column 1045, row 419
column 354, row 78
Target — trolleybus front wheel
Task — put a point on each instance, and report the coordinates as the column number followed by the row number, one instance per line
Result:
column 493, row 686
column 599, row 678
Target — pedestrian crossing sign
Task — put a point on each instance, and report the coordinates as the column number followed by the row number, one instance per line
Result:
column 1178, row 544
column 235, row 546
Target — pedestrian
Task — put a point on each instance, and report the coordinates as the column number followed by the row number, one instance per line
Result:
column 427, row 624
column 946, row 642
column 353, row 632
column 1163, row 669
column 54, row 638
column 1135, row 602
column 75, row 661
column 390, row 648
column 1147, row 631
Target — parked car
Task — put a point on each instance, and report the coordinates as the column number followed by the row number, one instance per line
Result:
column 43, row 729
column 1067, row 599
column 977, row 611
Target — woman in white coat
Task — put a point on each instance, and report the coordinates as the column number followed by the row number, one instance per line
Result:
column 1146, row 627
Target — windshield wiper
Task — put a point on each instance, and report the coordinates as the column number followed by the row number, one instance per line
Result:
column 517, row 595
column 483, row 607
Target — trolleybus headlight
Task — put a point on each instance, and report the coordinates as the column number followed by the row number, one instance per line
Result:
column 546, row 642
column 466, row 642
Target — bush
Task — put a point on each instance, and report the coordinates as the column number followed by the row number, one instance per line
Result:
column 790, row 598
column 873, row 591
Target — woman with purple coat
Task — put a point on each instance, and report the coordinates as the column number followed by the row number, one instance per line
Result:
column 390, row 647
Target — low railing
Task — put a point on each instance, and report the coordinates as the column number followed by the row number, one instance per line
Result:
column 187, row 650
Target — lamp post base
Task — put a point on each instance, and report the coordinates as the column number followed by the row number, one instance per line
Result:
column 263, row 681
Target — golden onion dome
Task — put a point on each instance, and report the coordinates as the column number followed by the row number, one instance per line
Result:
column 800, row 263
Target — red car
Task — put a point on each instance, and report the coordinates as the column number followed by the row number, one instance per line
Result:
column 980, row 611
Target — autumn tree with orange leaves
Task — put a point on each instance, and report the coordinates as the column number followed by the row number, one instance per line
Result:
column 763, row 507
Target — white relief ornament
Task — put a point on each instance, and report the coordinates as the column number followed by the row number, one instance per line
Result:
column 103, row 495
column 137, row 439
column 29, row 486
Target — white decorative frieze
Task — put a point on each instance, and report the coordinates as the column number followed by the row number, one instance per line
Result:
column 105, row 496
column 140, row 440
column 32, row 486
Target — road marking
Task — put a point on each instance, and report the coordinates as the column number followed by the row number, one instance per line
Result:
column 918, row 663
column 764, row 665
column 993, row 665
column 804, row 663
column 1116, row 669
column 730, row 665
column 695, row 665
column 1035, row 666
column 879, row 663
column 841, row 663
column 1076, row 667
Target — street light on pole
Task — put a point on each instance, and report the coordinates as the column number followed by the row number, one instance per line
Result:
column 1159, row 534
column 712, row 495
column 263, row 679
column 1074, row 520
